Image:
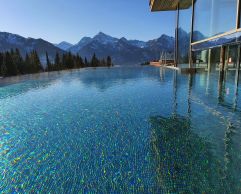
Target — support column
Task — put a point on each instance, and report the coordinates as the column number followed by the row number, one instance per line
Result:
column 235, row 103
column 191, row 37
column 209, row 60
column 175, row 104
column 190, row 82
column 238, row 66
column 221, row 73
column 176, row 35
column 238, row 14
column 222, row 59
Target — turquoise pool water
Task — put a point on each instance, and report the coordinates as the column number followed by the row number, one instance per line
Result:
column 120, row 130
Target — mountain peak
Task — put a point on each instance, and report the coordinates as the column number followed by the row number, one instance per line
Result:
column 104, row 38
column 123, row 39
column 64, row 42
column 101, row 34
column 84, row 39
column 64, row 45
column 164, row 36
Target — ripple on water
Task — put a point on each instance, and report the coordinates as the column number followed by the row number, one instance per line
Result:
column 118, row 130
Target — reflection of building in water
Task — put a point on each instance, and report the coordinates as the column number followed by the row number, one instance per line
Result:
column 229, row 87
column 232, row 161
column 186, row 162
column 162, row 74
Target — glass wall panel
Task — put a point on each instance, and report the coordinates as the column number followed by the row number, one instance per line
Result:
column 229, row 94
column 200, row 59
column 213, row 17
column 231, row 38
column 215, row 63
column 184, row 31
column 232, row 59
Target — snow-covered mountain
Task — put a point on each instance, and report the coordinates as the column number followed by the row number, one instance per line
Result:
column 99, row 38
column 25, row 45
column 122, row 51
column 84, row 41
column 104, row 38
column 138, row 43
column 64, row 45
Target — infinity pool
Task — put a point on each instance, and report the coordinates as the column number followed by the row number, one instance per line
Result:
column 120, row 130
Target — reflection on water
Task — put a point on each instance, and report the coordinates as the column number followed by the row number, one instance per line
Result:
column 185, row 162
column 101, row 79
column 120, row 130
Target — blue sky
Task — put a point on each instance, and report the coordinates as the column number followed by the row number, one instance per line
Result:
column 70, row 20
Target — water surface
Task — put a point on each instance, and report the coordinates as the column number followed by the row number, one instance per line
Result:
column 120, row 130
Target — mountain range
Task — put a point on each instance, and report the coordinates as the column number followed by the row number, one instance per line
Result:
column 25, row 45
column 122, row 51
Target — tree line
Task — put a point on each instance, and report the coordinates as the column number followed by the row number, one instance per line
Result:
column 12, row 63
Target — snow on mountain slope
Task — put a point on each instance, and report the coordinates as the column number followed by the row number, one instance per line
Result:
column 64, row 45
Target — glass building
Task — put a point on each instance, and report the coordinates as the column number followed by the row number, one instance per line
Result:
column 208, row 33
